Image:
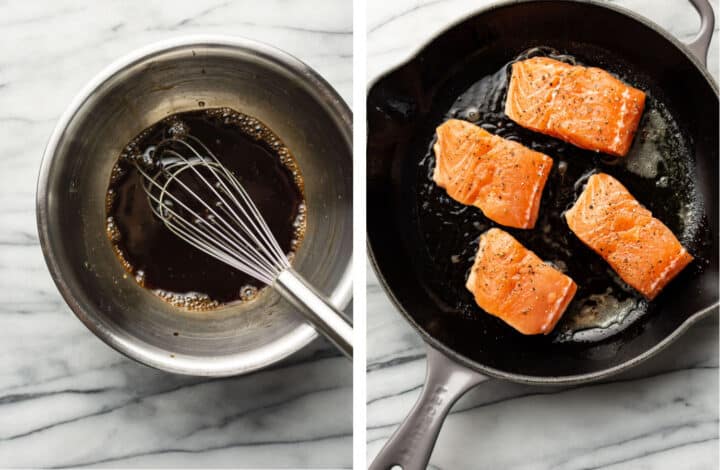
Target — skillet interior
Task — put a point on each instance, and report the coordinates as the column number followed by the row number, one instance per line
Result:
column 404, row 108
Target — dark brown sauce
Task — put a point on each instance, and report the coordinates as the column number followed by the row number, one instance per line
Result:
column 162, row 262
column 657, row 171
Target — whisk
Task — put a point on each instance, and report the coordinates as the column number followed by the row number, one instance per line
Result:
column 226, row 224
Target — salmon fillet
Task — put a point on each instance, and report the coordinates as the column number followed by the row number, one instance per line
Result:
column 584, row 106
column 512, row 283
column 503, row 178
column 640, row 248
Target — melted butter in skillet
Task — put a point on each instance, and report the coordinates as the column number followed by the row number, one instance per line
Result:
column 657, row 171
column 165, row 264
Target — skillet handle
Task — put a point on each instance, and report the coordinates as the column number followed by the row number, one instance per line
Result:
column 700, row 44
column 410, row 446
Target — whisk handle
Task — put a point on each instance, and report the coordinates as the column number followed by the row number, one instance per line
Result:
column 326, row 319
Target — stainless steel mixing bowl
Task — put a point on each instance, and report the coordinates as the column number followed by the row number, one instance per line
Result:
column 130, row 95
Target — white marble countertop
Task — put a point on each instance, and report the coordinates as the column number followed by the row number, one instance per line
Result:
column 661, row 415
column 66, row 399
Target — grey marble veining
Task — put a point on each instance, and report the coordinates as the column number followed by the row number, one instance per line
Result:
column 66, row 399
column 661, row 415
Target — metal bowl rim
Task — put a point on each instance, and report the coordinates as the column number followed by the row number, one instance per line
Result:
column 148, row 354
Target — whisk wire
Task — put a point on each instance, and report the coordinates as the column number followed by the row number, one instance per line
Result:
column 255, row 218
column 238, row 236
column 200, row 239
column 225, row 221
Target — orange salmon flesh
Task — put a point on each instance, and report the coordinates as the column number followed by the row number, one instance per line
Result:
column 585, row 106
column 640, row 248
column 512, row 283
column 503, row 178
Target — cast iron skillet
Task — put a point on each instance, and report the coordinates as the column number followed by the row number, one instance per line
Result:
column 423, row 272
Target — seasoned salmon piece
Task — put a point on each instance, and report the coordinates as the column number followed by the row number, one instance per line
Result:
column 512, row 283
column 503, row 178
column 584, row 106
column 640, row 248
